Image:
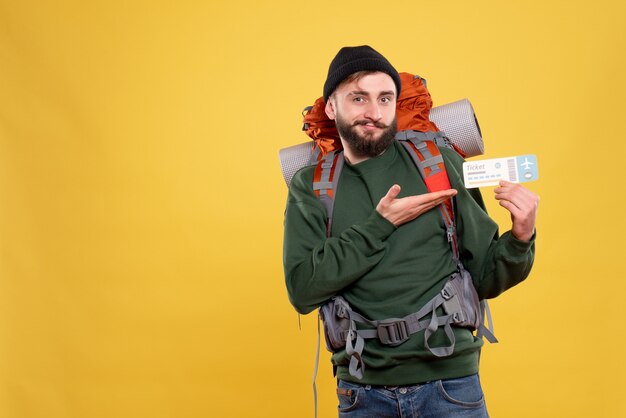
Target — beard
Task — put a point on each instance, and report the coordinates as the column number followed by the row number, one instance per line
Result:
column 364, row 145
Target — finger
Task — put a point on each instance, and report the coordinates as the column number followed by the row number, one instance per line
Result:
column 517, row 194
column 424, row 200
column 524, row 201
column 517, row 207
column 428, row 199
column 392, row 193
column 507, row 187
column 444, row 197
column 521, row 210
column 512, row 208
column 440, row 200
column 431, row 204
column 447, row 193
column 440, row 195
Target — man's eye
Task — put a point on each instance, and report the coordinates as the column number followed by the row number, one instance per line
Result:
column 359, row 99
column 386, row 99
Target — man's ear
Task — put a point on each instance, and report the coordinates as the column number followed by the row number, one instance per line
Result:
column 330, row 109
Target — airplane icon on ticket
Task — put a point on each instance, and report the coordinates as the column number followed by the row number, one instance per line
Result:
column 526, row 164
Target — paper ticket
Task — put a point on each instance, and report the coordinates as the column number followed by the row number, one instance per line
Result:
column 489, row 172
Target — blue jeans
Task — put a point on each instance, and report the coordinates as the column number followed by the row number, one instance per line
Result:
column 462, row 397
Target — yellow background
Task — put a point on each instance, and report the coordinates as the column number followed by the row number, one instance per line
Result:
column 141, row 200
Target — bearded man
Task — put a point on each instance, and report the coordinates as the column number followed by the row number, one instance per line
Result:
column 388, row 255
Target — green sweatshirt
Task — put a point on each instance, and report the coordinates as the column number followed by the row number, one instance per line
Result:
column 388, row 272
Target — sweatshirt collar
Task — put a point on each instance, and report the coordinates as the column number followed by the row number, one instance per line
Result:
column 380, row 162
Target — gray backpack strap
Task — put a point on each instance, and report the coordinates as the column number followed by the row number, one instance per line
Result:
column 448, row 220
column 440, row 351
column 326, row 177
column 437, row 137
column 486, row 331
column 315, row 156
column 418, row 140
column 355, row 350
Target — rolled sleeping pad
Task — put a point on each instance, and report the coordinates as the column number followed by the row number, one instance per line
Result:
column 457, row 120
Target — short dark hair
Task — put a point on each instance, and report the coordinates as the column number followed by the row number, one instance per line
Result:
column 354, row 77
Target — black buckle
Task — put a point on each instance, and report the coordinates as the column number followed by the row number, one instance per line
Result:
column 393, row 331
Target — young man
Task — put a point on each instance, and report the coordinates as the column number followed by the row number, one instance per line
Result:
column 388, row 254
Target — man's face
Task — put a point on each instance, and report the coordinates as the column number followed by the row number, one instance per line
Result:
column 364, row 111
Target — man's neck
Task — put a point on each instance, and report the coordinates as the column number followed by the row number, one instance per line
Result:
column 351, row 157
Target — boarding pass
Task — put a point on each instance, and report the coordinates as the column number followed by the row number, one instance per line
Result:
column 490, row 172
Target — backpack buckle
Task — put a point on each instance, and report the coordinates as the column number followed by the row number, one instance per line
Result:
column 447, row 292
column 458, row 317
column 393, row 331
column 450, row 232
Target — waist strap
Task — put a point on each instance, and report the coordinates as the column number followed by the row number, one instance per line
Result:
column 395, row 331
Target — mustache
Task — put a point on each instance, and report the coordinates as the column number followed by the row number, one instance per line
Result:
column 365, row 122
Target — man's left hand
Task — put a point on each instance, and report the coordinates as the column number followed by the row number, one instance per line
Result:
column 522, row 203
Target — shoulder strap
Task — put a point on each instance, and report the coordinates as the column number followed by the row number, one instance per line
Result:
column 422, row 147
column 325, row 179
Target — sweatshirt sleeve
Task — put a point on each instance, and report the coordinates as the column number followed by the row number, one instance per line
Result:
column 508, row 263
column 496, row 263
column 316, row 267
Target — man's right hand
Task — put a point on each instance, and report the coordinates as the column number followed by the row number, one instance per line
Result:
column 403, row 210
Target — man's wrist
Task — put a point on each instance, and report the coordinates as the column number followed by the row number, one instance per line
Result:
column 525, row 238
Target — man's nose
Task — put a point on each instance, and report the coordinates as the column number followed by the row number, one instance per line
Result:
column 373, row 111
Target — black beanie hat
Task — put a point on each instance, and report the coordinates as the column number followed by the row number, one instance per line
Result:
column 352, row 59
